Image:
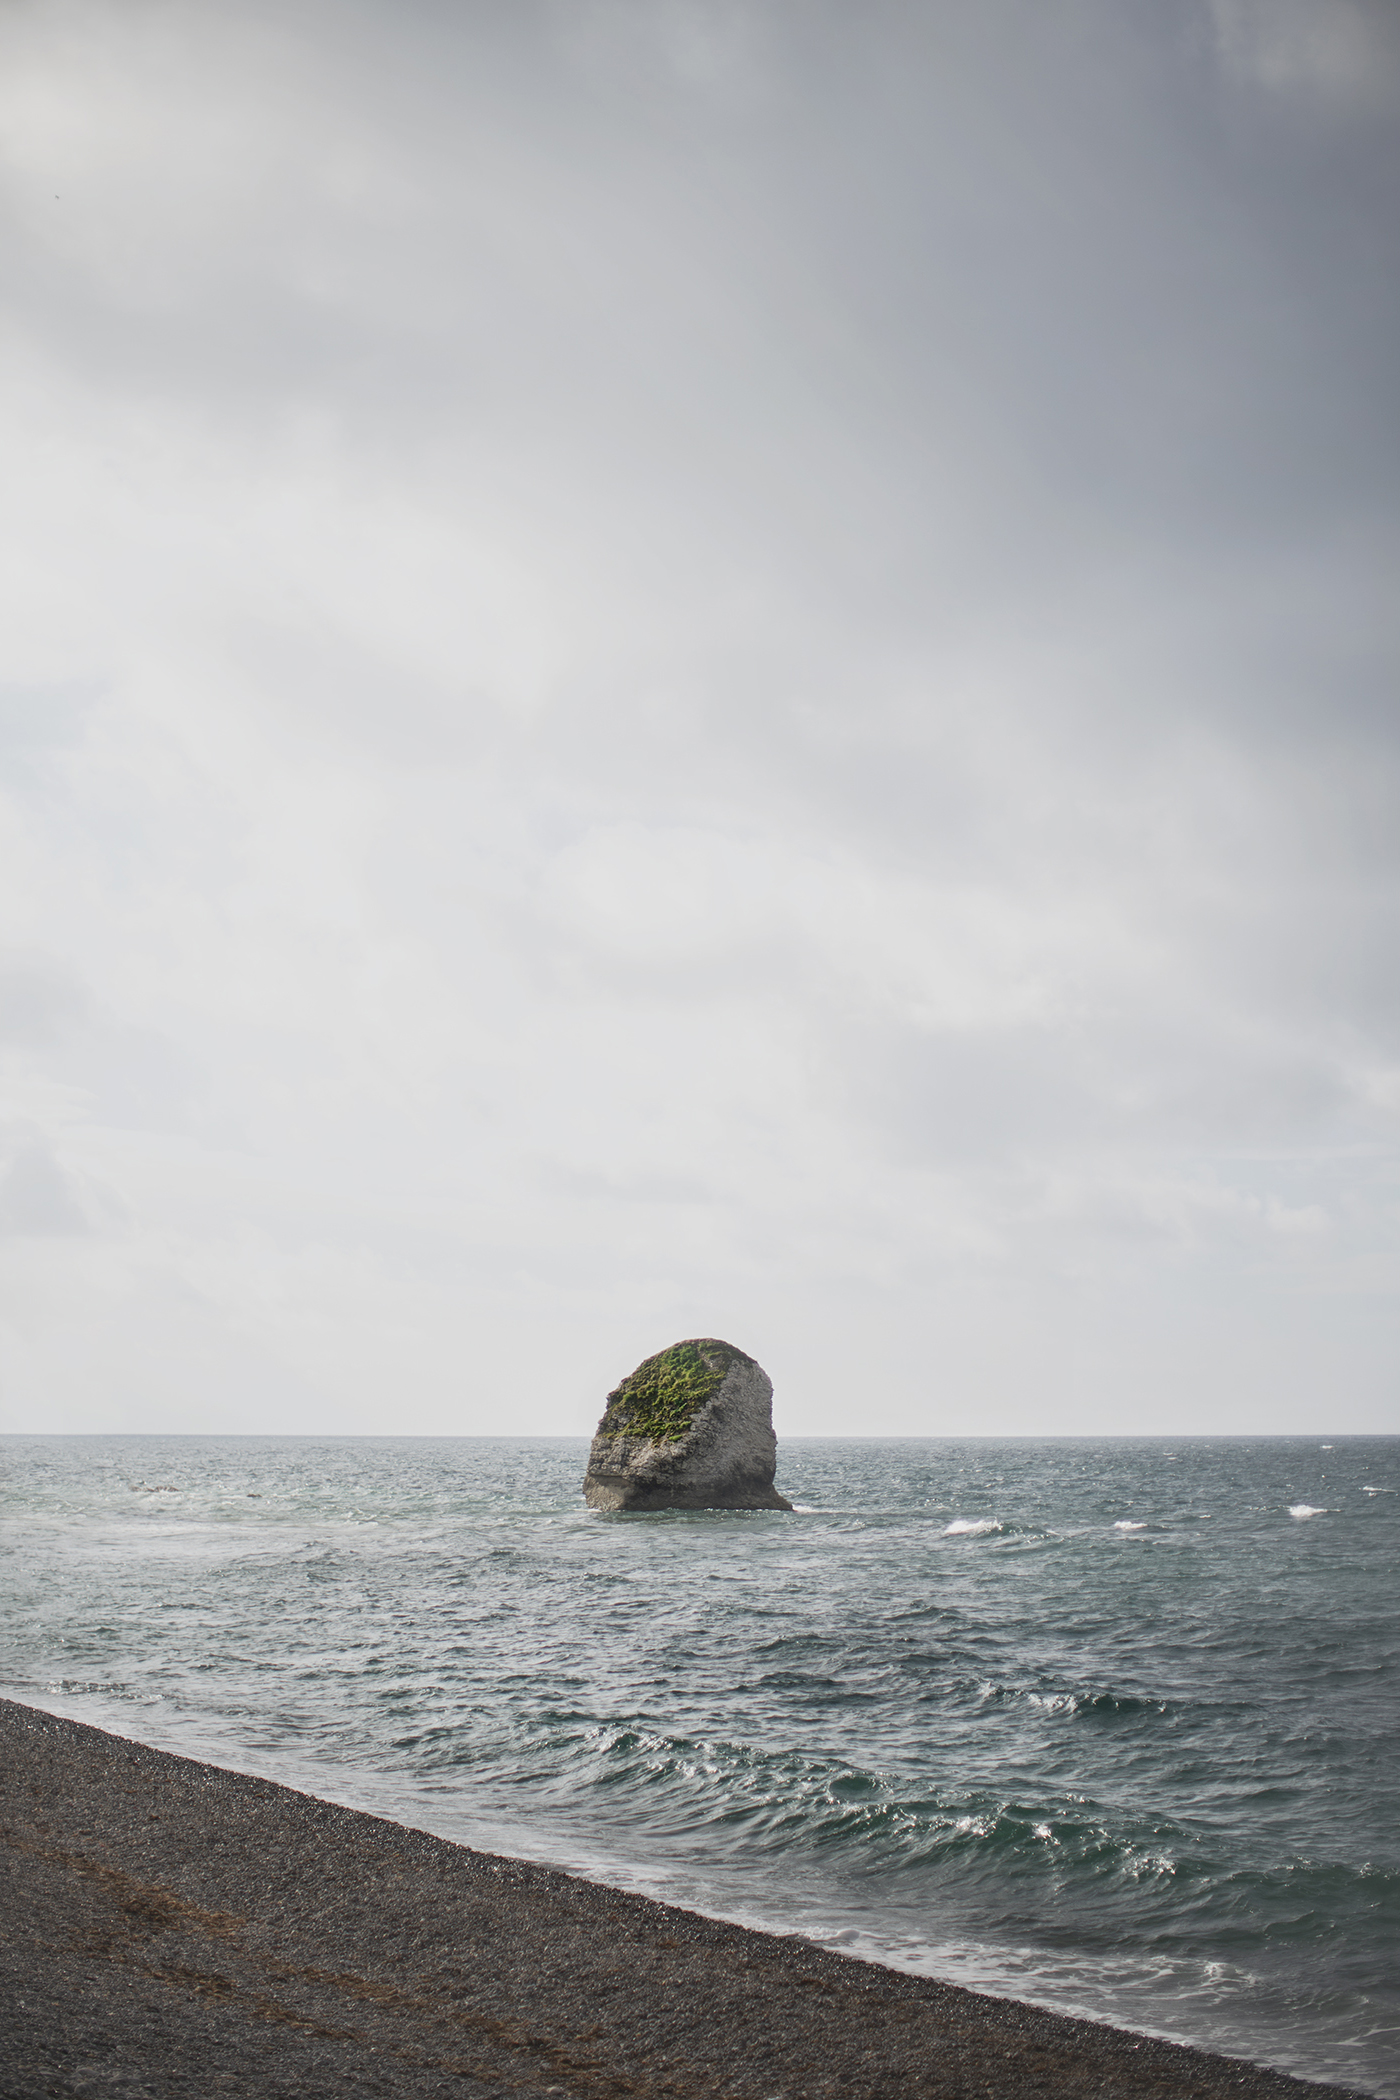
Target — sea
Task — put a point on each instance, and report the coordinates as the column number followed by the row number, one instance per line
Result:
column 1108, row 1725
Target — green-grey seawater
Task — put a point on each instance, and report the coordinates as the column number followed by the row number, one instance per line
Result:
column 1110, row 1725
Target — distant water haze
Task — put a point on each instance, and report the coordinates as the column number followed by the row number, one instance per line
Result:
column 723, row 667
column 1104, row 1724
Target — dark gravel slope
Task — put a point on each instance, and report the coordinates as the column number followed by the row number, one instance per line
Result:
column 172, row 1929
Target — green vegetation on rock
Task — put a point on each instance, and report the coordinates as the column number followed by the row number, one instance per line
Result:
column 663, row 1395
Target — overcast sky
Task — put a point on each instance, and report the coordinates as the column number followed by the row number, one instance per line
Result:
column 700, row 667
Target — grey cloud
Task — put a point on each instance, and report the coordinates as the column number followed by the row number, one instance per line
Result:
column 39, row 1002
column 747, row 599
column 1346, row 56
column 38, row 1196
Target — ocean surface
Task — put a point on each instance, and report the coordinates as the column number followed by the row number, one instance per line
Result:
column 1107, row 1725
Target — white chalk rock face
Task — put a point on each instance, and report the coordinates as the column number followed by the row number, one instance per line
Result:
column 692, row 1428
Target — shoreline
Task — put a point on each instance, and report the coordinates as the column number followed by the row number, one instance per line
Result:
column 176, row 1928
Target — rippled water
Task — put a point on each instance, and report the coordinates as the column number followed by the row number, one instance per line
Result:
column 1107, row 1725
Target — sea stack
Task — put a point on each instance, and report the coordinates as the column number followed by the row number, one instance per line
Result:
column 692, row 1428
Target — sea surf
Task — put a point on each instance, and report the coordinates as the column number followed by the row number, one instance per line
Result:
column 1105, row 1725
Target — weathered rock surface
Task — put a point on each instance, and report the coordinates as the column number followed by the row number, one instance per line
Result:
column 692, row 1428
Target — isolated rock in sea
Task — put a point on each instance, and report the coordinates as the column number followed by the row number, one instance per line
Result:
column 692, row 1428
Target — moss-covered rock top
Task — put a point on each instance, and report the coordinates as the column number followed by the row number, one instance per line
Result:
column 662, row 1397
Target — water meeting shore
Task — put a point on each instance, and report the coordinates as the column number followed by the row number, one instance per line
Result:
column 172, row 1928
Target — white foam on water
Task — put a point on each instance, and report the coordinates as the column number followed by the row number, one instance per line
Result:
column 181, row 1628
column 1305, row 1509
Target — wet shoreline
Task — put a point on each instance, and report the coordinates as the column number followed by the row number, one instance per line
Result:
column 175, row 1928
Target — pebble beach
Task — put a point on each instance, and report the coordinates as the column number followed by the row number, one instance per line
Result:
column 173, row 1928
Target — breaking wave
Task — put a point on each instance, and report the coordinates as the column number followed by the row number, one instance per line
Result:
column 1154, row 1784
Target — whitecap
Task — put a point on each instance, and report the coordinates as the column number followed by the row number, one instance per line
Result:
column 1127, row 1524
column 970, row 1527
column 1305, row 1509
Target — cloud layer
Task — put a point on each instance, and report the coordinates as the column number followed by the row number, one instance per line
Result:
column 700, row 668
